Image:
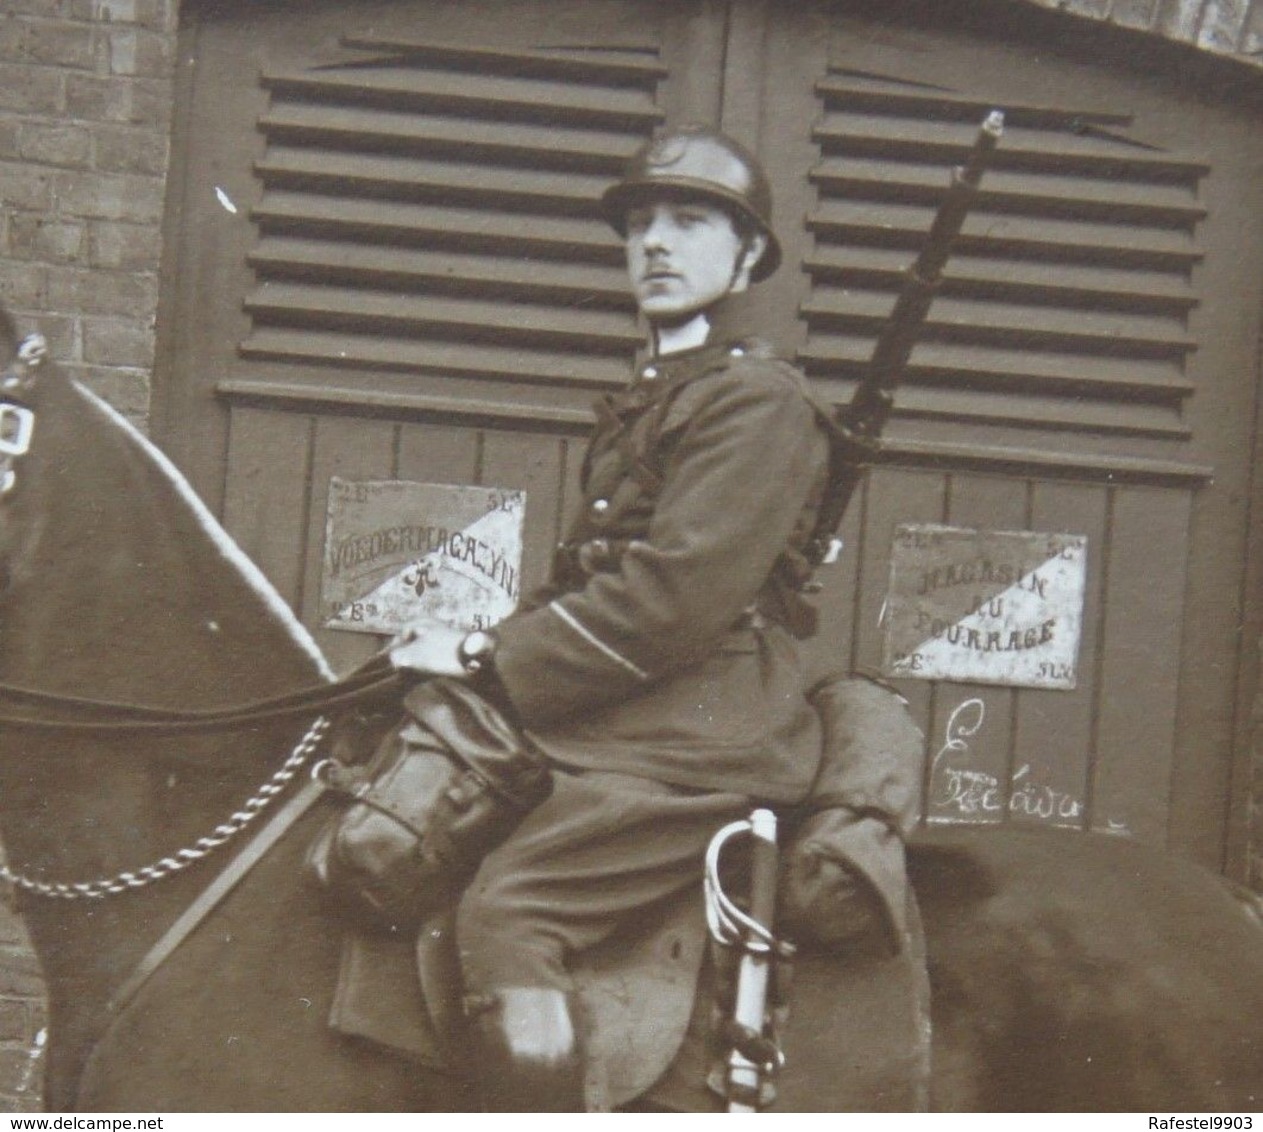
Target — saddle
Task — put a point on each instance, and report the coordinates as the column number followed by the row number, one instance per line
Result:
column 856, row 1037
column 857, row 1034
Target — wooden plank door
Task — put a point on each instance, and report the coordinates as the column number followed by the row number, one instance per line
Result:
column 1089, row 367
column 390, row 262
column 384, row 260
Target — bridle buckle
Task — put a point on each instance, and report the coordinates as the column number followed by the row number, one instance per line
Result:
column 16, row 425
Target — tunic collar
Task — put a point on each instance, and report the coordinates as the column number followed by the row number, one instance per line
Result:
column 658, row 373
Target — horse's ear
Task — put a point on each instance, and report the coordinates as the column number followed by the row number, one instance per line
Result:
column 32, row 351
column 23, row 360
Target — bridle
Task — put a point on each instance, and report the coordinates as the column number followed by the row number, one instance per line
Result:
column 17, row 421
column 33, row 709
column 377, row 683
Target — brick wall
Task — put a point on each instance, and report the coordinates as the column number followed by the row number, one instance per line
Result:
column 85, row 115
column 22, row 1019
column 1223, row 27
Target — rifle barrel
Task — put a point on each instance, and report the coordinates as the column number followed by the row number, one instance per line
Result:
column 868, row 411
column 859, row 424
column 950, row 217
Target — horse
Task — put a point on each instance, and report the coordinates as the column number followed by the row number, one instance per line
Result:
column 1067, row 970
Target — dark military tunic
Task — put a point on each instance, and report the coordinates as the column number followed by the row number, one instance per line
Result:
column 665, row 645
column 659, row 668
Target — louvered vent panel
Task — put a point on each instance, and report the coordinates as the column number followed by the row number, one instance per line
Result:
column 435, row 209
column 1065, row 304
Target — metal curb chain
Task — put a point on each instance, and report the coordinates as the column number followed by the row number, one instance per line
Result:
column 203, row 847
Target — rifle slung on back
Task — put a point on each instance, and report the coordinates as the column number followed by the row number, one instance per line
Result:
column 857, row 426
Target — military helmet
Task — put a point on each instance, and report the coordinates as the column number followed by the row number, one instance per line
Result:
column 705, row 163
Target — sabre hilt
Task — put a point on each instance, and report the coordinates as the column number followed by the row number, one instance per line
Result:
column 753, row 1054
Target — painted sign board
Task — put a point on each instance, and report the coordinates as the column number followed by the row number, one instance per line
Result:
column 985, row 607
column 396, row 552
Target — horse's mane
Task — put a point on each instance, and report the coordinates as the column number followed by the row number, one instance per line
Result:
column 219, row 538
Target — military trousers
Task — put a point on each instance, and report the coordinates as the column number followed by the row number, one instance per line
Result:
column 599, row 852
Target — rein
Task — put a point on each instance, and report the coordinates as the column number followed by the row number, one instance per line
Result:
column 365, row 683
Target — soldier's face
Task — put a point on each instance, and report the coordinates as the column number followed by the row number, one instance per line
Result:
column 682, row 256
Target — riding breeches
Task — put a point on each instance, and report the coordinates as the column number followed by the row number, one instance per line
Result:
column 602, row 849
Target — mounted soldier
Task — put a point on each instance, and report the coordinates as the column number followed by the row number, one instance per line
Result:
column 653, row 689
column 1153, row 980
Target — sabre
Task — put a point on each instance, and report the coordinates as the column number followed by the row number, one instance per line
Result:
column 753, row 1057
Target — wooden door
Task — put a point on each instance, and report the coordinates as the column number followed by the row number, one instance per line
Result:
column 384, row 261
column 390, row 262
column 1089, row 367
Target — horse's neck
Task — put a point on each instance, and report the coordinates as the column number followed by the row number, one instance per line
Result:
column 128, row 587
column 124, row 589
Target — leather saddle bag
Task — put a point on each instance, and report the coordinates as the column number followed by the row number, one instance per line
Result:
column 442, row 790
column 843, row 872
